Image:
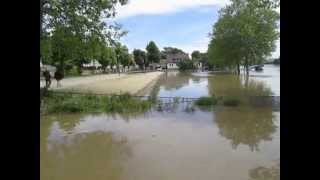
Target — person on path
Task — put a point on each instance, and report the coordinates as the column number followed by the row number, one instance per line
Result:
column 47, row 77
column 58, row 75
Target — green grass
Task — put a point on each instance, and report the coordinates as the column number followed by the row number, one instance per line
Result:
column 231, row 101
column 210, row 101
column 206, row 101
column 74, row 103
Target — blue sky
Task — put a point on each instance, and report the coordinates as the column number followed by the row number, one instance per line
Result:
column 184, row 24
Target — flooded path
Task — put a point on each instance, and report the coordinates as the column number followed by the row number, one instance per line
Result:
column 223, row 143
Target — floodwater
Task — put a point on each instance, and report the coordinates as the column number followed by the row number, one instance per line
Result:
column 221, row 143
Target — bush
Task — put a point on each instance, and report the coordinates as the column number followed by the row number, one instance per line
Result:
column 67, row 103
column 74, row 71
column 206, row 101
column 185, row 65
column 231, row 101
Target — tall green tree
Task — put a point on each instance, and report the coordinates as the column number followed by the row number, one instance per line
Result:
column 78, row 21
column 62, row 49
column 139, row 58
column 195, row 55
column 153, row 53
column 122, row 56
column 107, row 57
column 125, row 59
column 171, row 50
column 245, row 34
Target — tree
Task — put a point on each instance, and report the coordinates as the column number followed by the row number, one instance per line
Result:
column 153, row 53
column 185, row 65
column 277, row 61
column 195, row 55
column 163, row 55
column 62, row 49
column 122, row 55
column 77, row 22
column 244, row 34
column 172, row 50
column 204, row 59
column 46, row 50
column 125, row 56
column 139, row 58
column 107, row 57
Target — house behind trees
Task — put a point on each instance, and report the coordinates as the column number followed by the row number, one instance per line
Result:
column 172, row 58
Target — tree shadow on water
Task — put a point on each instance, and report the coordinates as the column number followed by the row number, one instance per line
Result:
column 97, row 155
column 247, row 126
column 265, row 173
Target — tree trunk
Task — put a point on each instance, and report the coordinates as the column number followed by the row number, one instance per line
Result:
column 238, row 69
column 246, row 66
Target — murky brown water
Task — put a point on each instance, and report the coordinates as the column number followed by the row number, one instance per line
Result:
column 223, row 143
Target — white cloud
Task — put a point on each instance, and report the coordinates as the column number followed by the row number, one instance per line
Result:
column 142, row 7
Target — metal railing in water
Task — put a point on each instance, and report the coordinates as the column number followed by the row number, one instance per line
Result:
column 257, row 100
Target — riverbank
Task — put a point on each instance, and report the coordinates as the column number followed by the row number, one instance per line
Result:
column 108, row 83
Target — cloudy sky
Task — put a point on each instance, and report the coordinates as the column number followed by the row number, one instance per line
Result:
column 184, row 24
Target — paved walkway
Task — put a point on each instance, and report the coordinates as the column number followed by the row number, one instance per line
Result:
column 107, row 83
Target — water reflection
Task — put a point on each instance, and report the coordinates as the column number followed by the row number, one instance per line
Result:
column 246, row 126
column 180, row 84
column 174, row 141
column 265, row 173
column 232, row 85
column 81, row 155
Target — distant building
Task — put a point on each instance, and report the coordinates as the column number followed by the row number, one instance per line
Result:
column 173, row 58
column 92, row 65
column 154, row 66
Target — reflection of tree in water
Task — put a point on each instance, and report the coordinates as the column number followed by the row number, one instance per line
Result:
column 96, row 155
column 69, row 121
column 265, row 173
column 245, row 125
column 232, row 85
column 176, row 80
column 172, row 105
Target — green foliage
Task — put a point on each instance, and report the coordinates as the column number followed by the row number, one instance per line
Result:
column 153, row 53
column 204, row 59
column 244, row 34
column 139, row 57
column 73, row 72
column 206, row 101
column 276, row 61
column 185, row 65
column 195, row 55
column 163, row 55
column 46, row 50
column 71, row 103
column 75, row 32
column 171, row 50
column 107, row 57
column 231, row 101
column 122, row 54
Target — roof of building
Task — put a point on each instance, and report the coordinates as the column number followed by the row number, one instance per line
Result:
column 174, row 58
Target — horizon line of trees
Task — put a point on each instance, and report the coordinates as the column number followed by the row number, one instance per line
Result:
column 152, row 55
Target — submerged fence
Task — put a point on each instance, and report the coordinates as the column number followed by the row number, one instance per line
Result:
column 273, row 101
